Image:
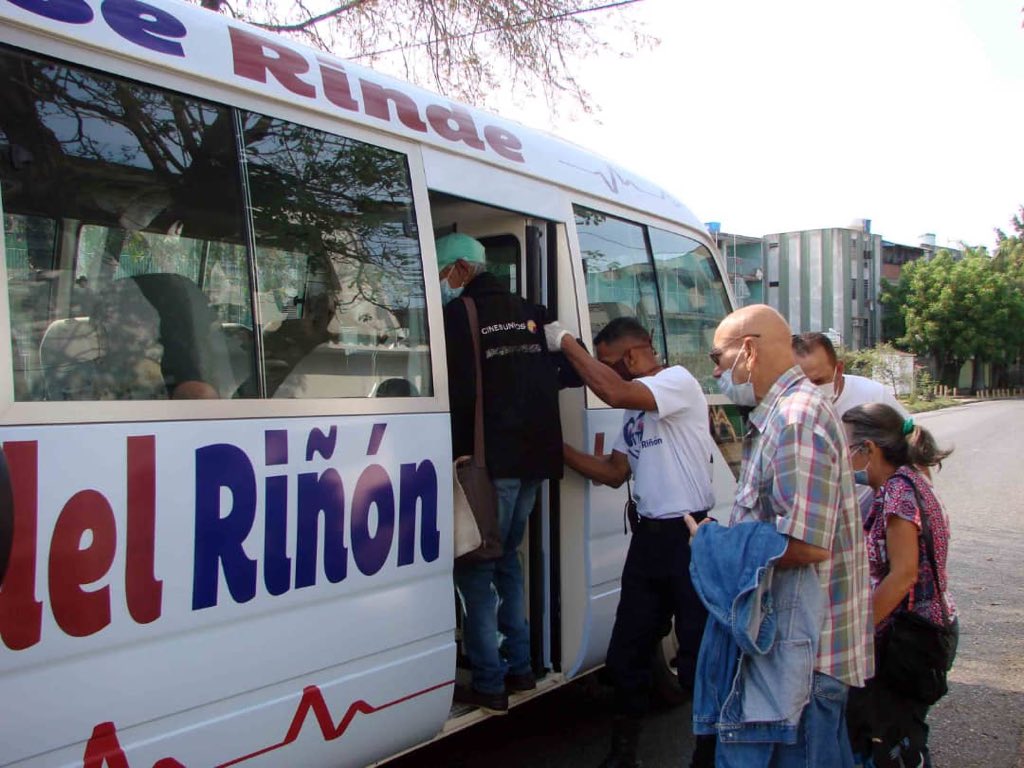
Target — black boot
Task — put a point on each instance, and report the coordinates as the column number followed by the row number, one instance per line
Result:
column 625, row 735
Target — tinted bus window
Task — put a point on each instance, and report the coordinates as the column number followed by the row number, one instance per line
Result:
column 669, row 282
column 129, row 268
column 619, row 273
column 136, row 185
column 693, row 301
column 341, row 284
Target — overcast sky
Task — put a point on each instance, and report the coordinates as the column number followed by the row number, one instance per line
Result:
column 800, row 114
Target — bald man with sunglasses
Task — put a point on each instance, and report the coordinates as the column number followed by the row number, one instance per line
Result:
column 796, row 476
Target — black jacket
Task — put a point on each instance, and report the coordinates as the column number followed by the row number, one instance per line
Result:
column 522, row 431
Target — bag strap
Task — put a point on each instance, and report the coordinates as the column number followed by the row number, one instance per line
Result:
column 929, row 546
column 479, row 460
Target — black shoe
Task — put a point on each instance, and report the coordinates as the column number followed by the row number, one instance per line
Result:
column 495, row 703
column 625, row 735
column 520, row 683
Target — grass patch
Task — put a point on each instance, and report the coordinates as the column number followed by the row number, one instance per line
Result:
column 920, row 406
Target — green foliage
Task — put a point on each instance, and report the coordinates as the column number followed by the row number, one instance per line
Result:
column 892, row 297
column 961, row 310
column 924, row 384
column 881, row 362
column 919, row 405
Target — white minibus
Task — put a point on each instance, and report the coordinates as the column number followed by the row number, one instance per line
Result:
column 223, row 409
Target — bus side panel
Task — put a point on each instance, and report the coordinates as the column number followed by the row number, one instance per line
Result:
column 605, row 546
column 606, row 542
column 205, row 591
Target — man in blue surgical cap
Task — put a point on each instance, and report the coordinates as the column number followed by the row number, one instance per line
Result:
column 523, row 447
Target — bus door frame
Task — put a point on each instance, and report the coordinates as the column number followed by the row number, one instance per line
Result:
column 540, row 286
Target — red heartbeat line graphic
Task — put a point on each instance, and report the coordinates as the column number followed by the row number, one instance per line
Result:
column 613, row 179
column 103, row 747
column 313, row 700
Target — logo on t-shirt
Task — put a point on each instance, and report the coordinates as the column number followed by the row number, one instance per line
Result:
column 633, row 434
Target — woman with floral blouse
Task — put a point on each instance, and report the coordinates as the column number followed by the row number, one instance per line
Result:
column 893, row 455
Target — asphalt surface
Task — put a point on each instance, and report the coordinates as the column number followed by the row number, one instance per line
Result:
column 981, row 721
column 979, row 724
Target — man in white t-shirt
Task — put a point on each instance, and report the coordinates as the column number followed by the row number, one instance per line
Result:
column 665, row 445
column 817, row 357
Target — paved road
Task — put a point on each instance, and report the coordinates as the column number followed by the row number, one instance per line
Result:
column 980, row 724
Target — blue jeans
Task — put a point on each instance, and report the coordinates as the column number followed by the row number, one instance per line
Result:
column 822, row 739
column 492, row 595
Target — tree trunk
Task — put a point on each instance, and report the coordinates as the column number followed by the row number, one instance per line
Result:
column 950, row 372
column 977, row 375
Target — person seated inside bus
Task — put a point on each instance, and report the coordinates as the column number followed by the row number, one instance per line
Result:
column 294, row 338
column 160, row 340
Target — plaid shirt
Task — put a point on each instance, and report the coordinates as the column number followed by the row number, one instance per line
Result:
column 796, row 472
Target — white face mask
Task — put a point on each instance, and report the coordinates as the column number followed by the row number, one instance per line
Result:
column 741, row 394
column 449, row 294
column 830, row 390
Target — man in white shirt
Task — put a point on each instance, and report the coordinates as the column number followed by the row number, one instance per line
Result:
column 665, row 445
column 817, row 357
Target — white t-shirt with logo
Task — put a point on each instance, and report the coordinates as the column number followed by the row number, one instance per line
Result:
column 670, row 450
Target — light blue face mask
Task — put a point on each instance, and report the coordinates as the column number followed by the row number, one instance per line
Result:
column 741, row 394
column 860, row 477
column 449, row 294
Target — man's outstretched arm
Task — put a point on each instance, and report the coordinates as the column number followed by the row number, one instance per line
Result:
column 609, row 469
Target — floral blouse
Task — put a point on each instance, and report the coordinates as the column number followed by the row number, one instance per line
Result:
column 897, row 498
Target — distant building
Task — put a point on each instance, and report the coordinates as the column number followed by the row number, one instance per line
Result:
column 822, row 279
column 826, row 280
column 895, row 255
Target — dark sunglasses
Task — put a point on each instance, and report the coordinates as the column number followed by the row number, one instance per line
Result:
column 619, row 366
column 716, row 353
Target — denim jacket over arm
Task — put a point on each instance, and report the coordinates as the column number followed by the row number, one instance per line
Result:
column 756, row 665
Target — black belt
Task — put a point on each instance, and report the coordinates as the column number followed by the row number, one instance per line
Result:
column 667, row 523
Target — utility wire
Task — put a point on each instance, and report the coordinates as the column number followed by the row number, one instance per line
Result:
column 553, row 17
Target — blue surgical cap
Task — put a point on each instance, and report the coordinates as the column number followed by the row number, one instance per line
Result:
column 455, row 246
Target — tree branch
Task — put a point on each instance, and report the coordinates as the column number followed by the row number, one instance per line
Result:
column 302, row 26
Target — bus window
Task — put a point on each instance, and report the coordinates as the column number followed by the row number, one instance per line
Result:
column 338, row 264
column 619, row 273
column 134, row 183
column 30, row 244
column 693, row 301
column 126, row 236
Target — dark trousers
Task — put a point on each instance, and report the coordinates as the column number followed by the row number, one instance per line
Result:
column 655, row 587
column 889, row 729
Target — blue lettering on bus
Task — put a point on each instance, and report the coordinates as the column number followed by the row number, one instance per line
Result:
column 320, row 518
column 145, row 25
column 140, row 23
column 68, row 11
column 373, row 489
column 321, row 493
column 419, row 487
column 219, row 538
